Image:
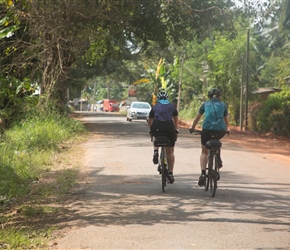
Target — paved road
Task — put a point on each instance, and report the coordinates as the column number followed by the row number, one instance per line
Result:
column 123, row 207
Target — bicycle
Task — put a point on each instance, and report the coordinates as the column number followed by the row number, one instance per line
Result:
column 163, row 142
column 214, row 161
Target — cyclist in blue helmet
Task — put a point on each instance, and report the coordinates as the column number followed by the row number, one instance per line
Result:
column 216, row 119
column 163, row 119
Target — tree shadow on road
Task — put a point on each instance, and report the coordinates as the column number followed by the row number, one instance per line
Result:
column 125, row 200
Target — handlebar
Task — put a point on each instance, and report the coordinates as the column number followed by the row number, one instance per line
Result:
column 198, row 132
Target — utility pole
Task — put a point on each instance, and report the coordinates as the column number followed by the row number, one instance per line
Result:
column 247, row 77
column 81, row 100
column 94, row 100
column 180, row 82
column 242, row 95
column 108, row 90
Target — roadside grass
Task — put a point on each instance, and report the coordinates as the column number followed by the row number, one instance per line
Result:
column 189, row 113
column 23, row 239
column 39, row 166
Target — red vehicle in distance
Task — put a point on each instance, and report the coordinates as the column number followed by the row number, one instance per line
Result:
column 110, row 105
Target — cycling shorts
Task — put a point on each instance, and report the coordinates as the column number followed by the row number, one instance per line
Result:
column 206, row 135
column 164, row 128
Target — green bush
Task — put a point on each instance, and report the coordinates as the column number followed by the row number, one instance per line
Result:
column 28, row 146
column 254, row 110
column 16, row 98
column 42, row 133
column 274, row 114
column 190, row 112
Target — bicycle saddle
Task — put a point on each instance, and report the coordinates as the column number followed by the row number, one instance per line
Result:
column 161, row 141
column 213, row 144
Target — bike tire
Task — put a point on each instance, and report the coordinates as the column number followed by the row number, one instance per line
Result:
column 208, row 170
column 206, row 180
column 163, row 169
column 213, row 177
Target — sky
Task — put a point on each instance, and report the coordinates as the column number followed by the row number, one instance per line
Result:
column 240, row 3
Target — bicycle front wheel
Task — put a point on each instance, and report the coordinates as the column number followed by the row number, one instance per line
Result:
column 213, row 177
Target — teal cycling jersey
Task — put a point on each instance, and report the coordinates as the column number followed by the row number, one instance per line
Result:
column 214, row 111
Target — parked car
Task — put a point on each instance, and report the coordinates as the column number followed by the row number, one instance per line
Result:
column 138, row 110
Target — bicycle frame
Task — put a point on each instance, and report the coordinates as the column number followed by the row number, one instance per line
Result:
column 212, row 175
column 163, row 142
column 164, row 168
column 214, row 146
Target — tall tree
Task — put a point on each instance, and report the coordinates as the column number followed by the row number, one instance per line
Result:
column 54, row 33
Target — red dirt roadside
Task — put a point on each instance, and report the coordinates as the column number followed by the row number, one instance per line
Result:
column 269, row 143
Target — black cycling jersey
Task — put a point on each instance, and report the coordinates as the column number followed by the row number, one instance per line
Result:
column 163, row 112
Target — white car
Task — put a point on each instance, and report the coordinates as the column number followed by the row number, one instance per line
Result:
column 138, row 110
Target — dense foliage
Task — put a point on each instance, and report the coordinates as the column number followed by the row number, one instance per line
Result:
column 97, row 49
column 55, row 50
column 274, row 114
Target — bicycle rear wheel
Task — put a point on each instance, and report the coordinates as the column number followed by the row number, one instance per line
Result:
column 213, row 177
column 206, row 180
column 163, row 169
column 208, row 170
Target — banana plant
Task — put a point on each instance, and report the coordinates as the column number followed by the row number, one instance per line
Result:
column 5, row 30
column 156, row 77
column 162, row 77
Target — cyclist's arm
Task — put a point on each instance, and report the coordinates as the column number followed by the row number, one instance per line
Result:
column 150, row 120
column 175, row 120
column 150, row 117
column 226, row 119
column 195, row 121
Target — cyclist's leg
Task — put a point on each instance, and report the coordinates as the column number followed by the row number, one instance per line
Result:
column 170, row 158
column 203, row 163
column 170, row 161
column 205, row 136
column 220, row 162
column 203, row 158
column 171, row 134
column 153, row 129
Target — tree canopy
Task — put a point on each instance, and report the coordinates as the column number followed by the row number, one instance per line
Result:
column 52, row 35
column 75, row 44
